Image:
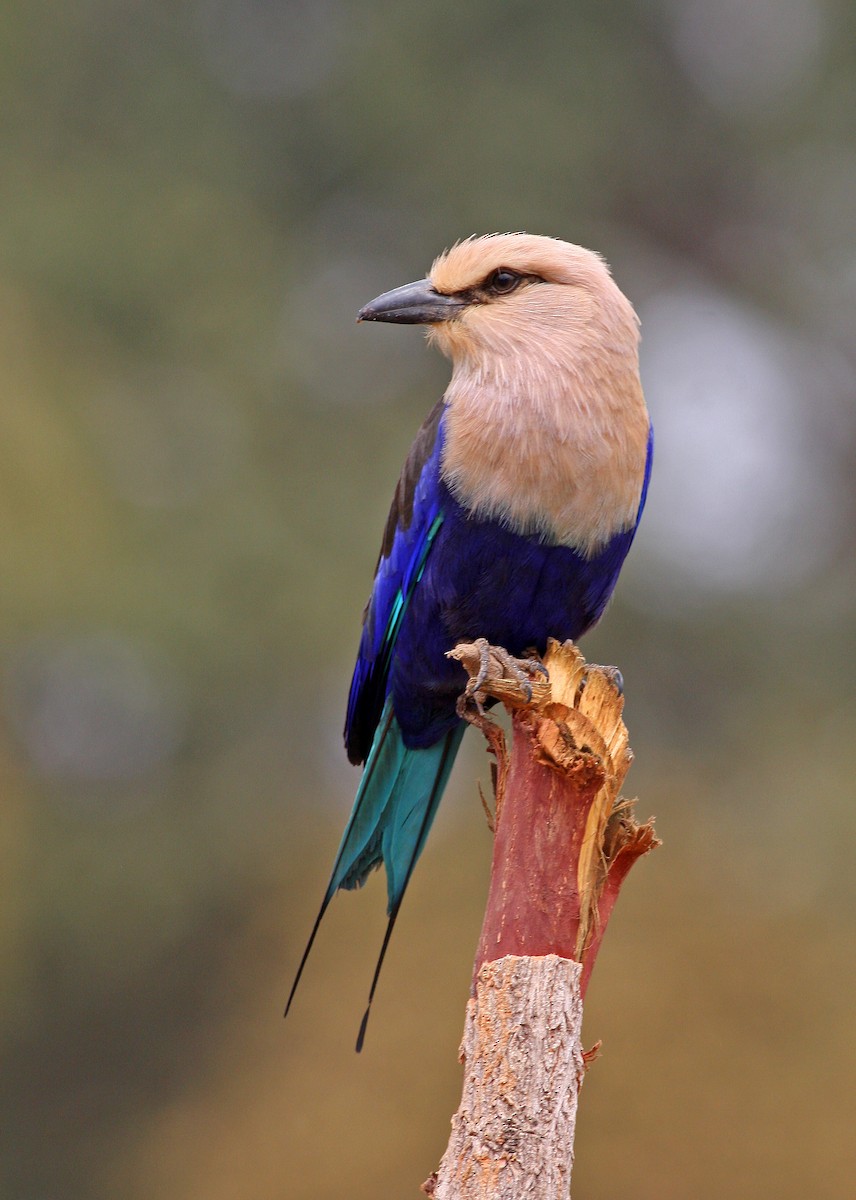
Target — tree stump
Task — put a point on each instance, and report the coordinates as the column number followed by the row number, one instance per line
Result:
column 564, row 841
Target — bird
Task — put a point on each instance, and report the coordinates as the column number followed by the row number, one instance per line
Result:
column 511, row 519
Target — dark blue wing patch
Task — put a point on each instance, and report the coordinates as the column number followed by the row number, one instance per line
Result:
column 414, row 520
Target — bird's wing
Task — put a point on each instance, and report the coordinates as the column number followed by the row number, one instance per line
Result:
column 412, row 525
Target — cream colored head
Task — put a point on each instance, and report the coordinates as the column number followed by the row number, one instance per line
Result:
column 559, row 302
column 545, row 425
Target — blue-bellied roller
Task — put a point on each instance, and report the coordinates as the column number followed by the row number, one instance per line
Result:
column 513, row 514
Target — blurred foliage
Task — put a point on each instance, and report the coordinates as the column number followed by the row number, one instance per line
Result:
column 198, row 447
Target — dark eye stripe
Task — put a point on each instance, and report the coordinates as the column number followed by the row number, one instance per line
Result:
column 501, row 282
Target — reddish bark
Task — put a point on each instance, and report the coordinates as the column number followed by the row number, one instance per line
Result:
column 533, row 904
column 563, row 839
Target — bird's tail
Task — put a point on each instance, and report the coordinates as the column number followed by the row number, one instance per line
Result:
column 394, row 809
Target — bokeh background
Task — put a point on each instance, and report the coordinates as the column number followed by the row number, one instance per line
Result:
column 197, row 449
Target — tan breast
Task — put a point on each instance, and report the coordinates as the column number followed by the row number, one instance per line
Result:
column 561, row 457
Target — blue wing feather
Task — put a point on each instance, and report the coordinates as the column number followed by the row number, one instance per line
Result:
column 414, row 521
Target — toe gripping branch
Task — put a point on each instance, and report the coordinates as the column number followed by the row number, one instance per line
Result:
column 564, row 837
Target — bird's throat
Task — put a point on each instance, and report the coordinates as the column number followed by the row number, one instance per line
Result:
column 552, row 460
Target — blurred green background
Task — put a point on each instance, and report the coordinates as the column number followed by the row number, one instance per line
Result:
column 198, row 448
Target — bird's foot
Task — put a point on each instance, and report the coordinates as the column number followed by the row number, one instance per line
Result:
column 497, row 663
column 612, row 673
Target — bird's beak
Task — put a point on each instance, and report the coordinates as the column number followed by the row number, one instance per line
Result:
column 414, row 304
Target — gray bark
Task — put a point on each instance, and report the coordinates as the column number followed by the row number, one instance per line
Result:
column 513, row 1134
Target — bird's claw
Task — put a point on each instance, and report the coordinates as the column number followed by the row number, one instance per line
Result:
column 470, row 699
column 518, row 669
column 472, row 696
column 612, row 673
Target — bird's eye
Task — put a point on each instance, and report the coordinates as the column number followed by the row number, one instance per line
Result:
column 503, row 281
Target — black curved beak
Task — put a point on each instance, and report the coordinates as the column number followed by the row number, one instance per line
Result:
column 414, row 304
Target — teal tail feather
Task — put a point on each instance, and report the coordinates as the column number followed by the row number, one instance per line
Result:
column 395, row 806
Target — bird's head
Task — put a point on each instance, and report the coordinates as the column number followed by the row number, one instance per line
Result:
column 506, row 295
column 546, row 428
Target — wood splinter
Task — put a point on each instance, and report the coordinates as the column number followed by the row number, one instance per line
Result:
column 563, row 844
